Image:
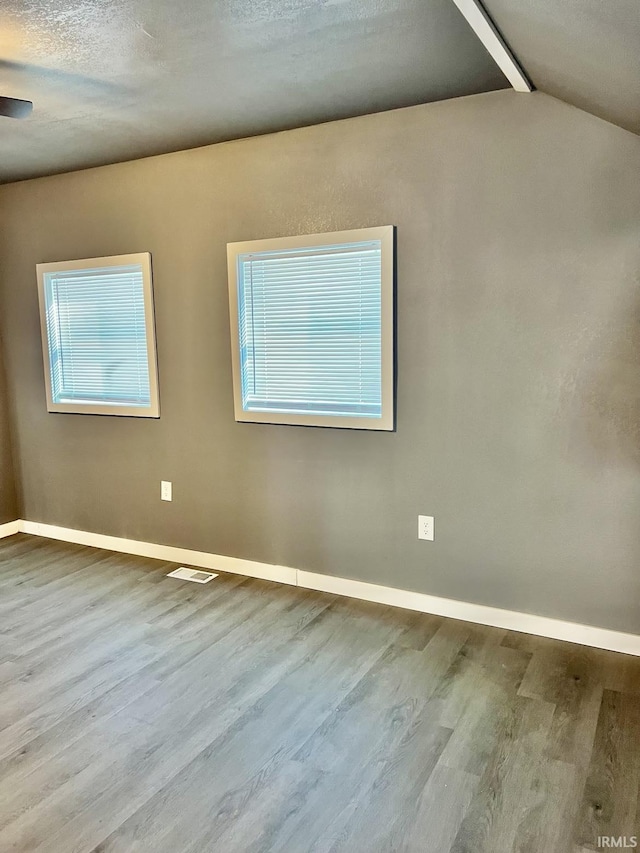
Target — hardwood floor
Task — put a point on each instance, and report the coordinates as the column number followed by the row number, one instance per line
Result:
column 143, row 713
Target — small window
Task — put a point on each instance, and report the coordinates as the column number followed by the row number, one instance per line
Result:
column 98, row 336
column 312, row 329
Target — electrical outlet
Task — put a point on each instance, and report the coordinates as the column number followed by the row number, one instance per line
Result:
column 166, row 490
column 426, row 527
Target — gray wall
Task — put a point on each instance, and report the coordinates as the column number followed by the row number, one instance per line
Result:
column 8, row 501
column 519, row 356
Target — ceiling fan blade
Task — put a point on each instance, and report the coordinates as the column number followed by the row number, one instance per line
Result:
column 15, row 108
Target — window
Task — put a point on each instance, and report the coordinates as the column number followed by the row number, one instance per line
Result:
column 312, row 329
column 98, row 336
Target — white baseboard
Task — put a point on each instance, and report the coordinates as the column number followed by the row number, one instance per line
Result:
column 201, row 559
column 542, row 626
column 482, row 614
column 10, row 528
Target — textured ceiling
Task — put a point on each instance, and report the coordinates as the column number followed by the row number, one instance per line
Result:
column 585, row 52
column 118, row 80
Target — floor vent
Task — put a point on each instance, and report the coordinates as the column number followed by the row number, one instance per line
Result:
column 195, row 575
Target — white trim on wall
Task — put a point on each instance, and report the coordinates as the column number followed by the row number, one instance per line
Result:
column 10, row 528
column 541, row 626
column 482, row 614
column 201, row 559
column 482, row 25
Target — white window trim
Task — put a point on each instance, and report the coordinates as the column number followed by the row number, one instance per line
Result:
column 385, row 234
column 144, row 260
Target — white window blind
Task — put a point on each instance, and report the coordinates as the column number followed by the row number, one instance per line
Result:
column 97, row 327
column 310, row 330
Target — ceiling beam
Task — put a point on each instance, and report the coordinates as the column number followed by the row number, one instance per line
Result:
column 488, row 33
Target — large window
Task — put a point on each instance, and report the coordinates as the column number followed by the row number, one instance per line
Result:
column 312, row 329
column 98, row 336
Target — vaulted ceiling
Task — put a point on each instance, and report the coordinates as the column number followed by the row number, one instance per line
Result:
column 123, row 79
column 585, row 52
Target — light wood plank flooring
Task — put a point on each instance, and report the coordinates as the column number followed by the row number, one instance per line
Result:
column 142, row 713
